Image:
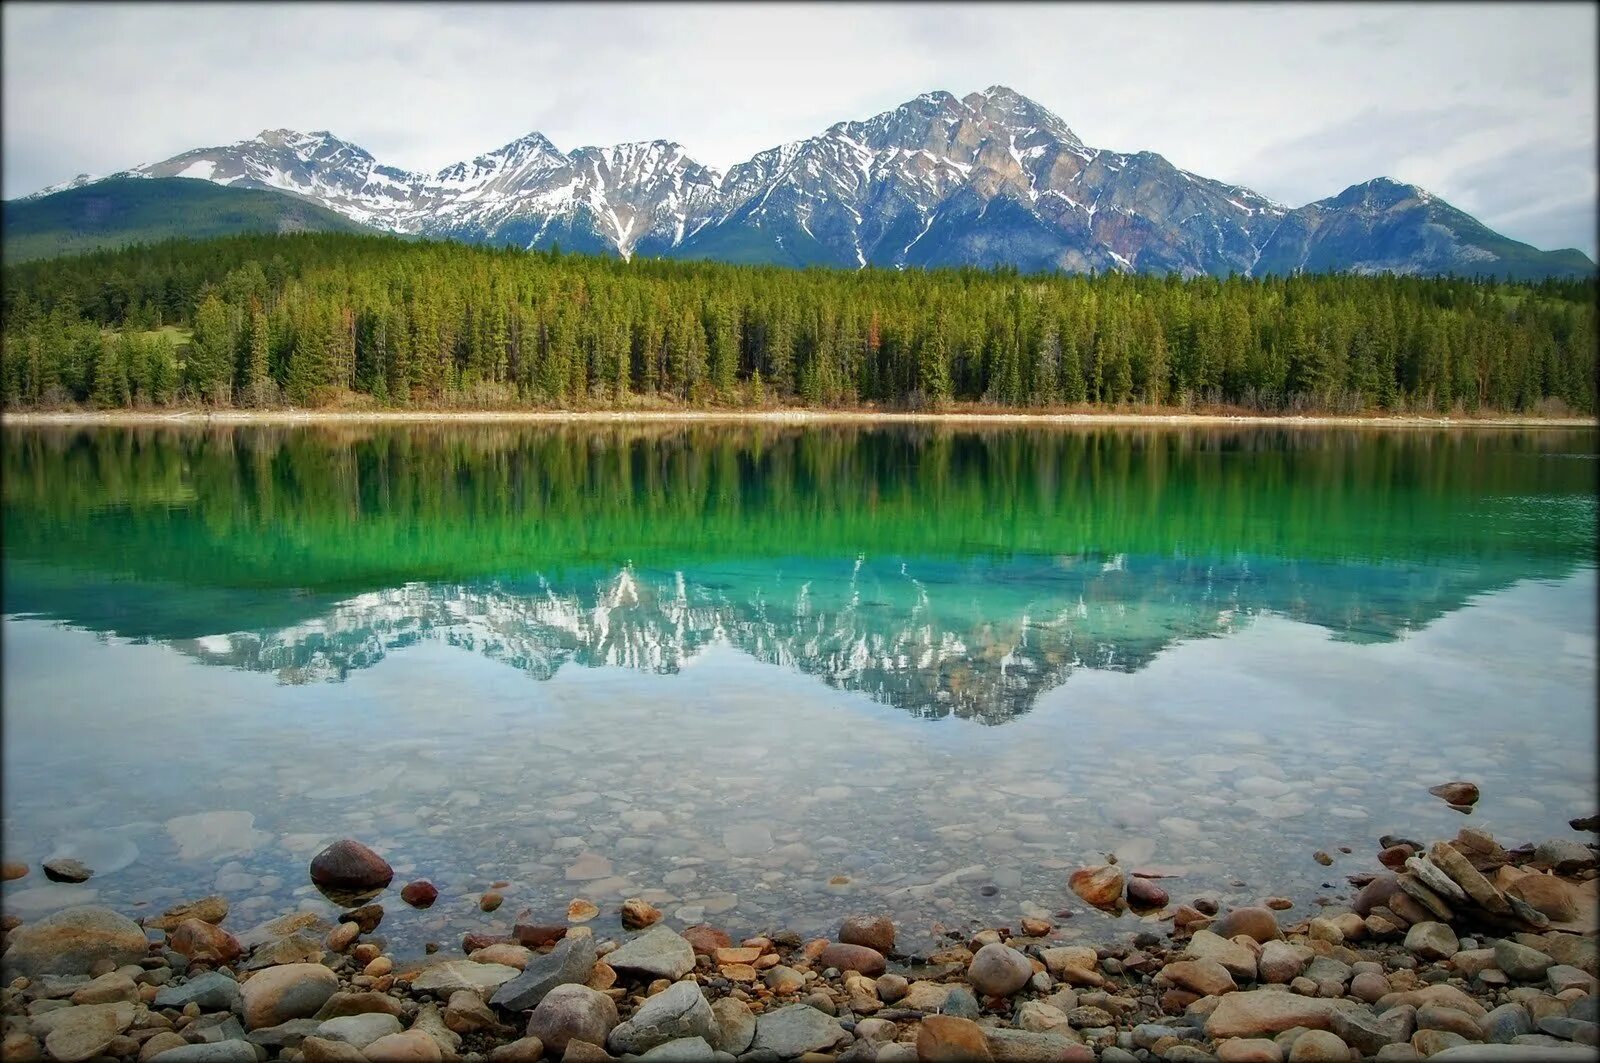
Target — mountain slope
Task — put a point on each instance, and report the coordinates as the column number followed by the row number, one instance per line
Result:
column 989, row 179
column 120, row 211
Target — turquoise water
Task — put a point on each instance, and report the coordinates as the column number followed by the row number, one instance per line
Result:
column 763, row 677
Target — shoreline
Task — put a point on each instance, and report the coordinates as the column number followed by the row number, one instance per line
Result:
column 1462, row 949
column 788, row 416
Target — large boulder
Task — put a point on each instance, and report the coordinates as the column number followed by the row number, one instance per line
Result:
column 569, row 963
column 80, row 1033
column 293, row 991
column 658, row 952
column 678, row 1011
column 572, row 1013
column 795, row 1030
column 1265, row 1012
column 72, row 940
column 736, row 1025
column 946, row 1039
column 348, row 867
column 998, row 970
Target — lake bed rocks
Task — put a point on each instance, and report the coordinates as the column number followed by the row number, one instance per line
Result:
column 347, row 867
column 1381, row 977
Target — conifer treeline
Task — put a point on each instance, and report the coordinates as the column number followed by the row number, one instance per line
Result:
column 304, row 319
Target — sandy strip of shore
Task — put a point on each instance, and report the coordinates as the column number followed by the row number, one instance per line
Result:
column 189, row 417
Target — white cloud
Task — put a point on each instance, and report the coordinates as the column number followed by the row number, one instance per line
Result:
column 1297, row 102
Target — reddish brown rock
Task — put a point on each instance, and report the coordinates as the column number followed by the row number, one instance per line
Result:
column 490, row 901
column 1208, row 978
column 12, row 870
column 706, row 939
column 874, row 932
column 475, row 941
column 212, row 910
column 947, row 1039
column 419, row 894
column 1456, row 793
column 1256, row 923
column 1142, row 893
column 202, row 942
column 637, row 914
column 1547, row 894
column 533, row 935
column 848, row 957
column 347, row 866
column 367, row 917
column 1100, row 885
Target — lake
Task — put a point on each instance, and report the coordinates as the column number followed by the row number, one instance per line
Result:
column 767, row 676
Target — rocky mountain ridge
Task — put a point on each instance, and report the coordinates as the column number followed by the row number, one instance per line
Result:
column 991, row 179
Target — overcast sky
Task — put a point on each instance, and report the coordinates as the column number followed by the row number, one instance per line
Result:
column 1490, row 106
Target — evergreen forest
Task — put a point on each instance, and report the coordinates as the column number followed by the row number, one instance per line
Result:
column 320, row 320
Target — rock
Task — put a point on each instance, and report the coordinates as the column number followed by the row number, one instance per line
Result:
column 213, row 909
column 795, row 1030
column 1456, row 793
column 1266, row 1011
column 735, row 1025
column 1236, row 957
column 1439, row 1017
column 293, row 991
column 1038, row 1017
column 203, row 942
column 1319, row 1046
column 413, row 1046
column 455, row 975
column 637, row 914
column 536, row 935
column 572, row 1013
column 682, row 1050
column 228, row 1051
column 1247, row 1050
column 1370, row 986
column 783, row 979
column 78, row 1033
column 107, row 989
column 961, row 1003
column 522, row 1050
column 706, row 940
column 891, row 987
column 1436, row 880
column 943, row 1039
column 1208, row 978
column 584, row 1052
column 1505, row 1022
column 1468, row 878
column 658, row 952
column 1418, row 891
column 1432, row 1042
column 467, row 1013
column 569, row 963
column 507, row 955
column 873, row 932
column 1073, row 964
column 1563, row 977
column 71, row 940
column 1024, row 1046
column 1280, row 962
column 1259, row 924
column 1520, row 962
column 1448, row 995
column 858, row 958
column 1100, row 885
column 1143, row 893
column 286, row 1034
column 154, row 1046
column 348, row 867
column 1511, row 1053
column 212, row 991
column 66, row 870
column 420, row 893
column 1564, row 856
column 1548, row 895
column 1375, row 893
column 998, row 970
column 359, row 1004
column 680, row 1011
column 322, row 1050
column 12, row 870
column 1368, row 1033
column 358, row 1031
column 1432, row 941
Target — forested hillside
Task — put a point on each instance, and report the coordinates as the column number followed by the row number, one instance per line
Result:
column 314, row 319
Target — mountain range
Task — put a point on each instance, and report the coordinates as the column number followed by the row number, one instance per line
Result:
column 990, row 179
